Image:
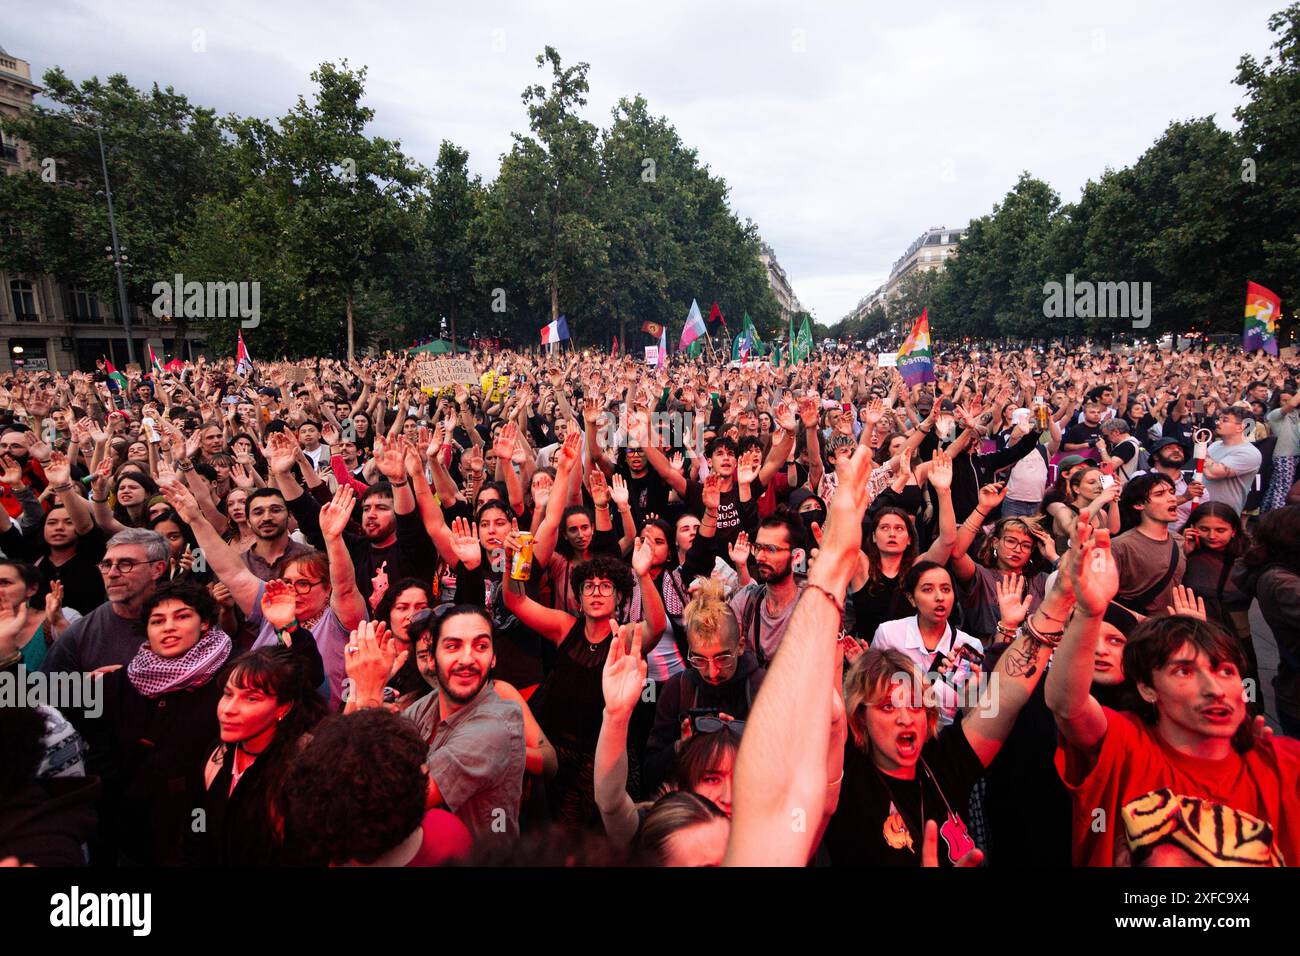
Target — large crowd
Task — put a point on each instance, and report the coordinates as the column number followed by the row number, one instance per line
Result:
column 581, row 610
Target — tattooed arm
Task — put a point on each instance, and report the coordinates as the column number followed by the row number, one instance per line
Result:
column 1019, row 670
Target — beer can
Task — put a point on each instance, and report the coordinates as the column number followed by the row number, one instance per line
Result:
column 521, row 568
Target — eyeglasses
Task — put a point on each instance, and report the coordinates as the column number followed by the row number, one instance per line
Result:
column 701, row 663
column 769, row 548
column 124, row 565
column 304, row 587
column 1011, row 544
column 603, row 588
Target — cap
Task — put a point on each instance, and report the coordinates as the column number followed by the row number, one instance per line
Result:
column 1069, row 461
column 1163, row 443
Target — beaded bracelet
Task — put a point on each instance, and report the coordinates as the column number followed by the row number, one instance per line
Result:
column 835, row 602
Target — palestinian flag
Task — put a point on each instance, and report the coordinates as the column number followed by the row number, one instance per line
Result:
column 154, row 365
column 116, row 380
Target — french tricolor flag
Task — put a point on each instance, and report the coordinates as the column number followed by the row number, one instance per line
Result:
column 556, row 331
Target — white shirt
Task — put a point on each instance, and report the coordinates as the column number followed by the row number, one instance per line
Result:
column 904, row 635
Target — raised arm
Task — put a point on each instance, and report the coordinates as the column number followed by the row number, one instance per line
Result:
column 623, row 681
column 224, row 560
column 548, row 532
column 1080, row 719
column 940, row 478
column 781, row 770
column 990, row 496
column 550, row 624
column 345, row 598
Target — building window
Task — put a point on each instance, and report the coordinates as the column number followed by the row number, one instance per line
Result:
column 8, row 148
column 85, row 307
column 24, row 300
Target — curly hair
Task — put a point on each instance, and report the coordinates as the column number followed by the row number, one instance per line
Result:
column 356, row 790
column 611, row 569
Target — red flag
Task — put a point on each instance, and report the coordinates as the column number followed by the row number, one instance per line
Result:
column 613, row 349
column 715, row 314
column 653, row 329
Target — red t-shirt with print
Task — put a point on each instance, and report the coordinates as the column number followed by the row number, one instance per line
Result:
column 1134, row 761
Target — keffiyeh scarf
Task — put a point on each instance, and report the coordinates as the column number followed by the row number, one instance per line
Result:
column 154, row 676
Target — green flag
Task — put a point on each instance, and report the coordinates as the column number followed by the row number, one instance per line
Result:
column 756, row 346
column 802, row 346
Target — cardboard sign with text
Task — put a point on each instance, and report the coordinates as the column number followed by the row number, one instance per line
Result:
column 437, row 373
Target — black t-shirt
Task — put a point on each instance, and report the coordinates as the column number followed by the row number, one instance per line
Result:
column 1081, row 434
column 733, row 515
column 646, row 495
column 83, row 585
column 879, row 816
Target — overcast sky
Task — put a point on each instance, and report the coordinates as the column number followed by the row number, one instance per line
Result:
column 843, row 129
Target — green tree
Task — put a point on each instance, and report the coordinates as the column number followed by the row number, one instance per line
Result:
column 1270, row 133
column 542, row 220
column 163, row 155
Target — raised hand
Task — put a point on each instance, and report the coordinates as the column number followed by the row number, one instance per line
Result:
column 278, row 603
column 378, row 585
column 875, row 411
column 334, row 516
column 12, row 473
column 619, row 491
column 748, row 466
column 678, row 461
column 940, row 476
column 991, row 495
column 1092, row 569
column 843, row 534
column 242, row 475
column 371, row 658
column 330, row 434
column 623, row 678
column 57, row 470
column 1187, row 603
column 591, row 410
column 55, row 622
column 711, row 494
column 570, row 453
column 739, row 550
column 181, row 499
column 1011, row 606
column 281, row 452
column 642, row 557
column 808, row 412
column 390, row 459
column 784, row 415
column 598, row 487
column 465, row 542
column 504, row 446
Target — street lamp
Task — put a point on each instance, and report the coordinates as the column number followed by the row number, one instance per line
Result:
column 117, row 255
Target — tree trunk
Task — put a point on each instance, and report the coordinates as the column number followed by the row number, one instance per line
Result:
column 454, row 312
column 351, row 351
column 555, row 301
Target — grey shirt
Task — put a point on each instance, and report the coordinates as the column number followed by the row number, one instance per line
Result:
column 476, row 757
column 100, row 638
column 1244, row 459
column 1142, row 562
